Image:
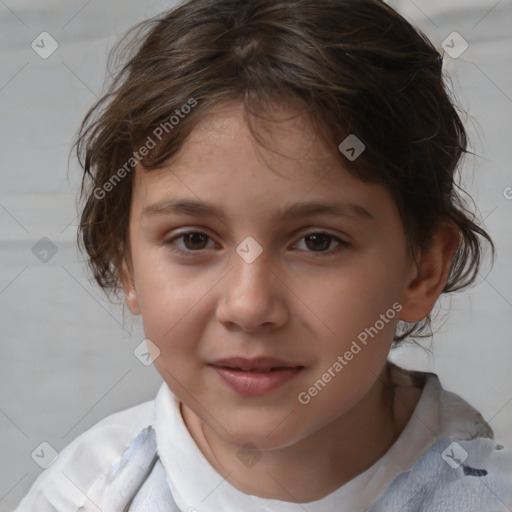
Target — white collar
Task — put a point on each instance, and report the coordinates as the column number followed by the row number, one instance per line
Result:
column 196, row 485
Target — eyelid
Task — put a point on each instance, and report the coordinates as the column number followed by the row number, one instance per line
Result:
column 180, row 234
column 343, row 237
column 342, row 244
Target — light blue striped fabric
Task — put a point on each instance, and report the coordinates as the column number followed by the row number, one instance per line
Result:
column 135, row 483
column 469, row 476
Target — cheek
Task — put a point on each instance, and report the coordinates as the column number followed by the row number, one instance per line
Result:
column 359, row 311
column 171, row 304
column 351, row 356
column 380, row 277
column 353, row 298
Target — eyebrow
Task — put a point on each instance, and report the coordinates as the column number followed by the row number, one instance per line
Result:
column 196, row 208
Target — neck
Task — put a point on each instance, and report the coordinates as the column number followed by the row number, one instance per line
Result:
column 321, row 463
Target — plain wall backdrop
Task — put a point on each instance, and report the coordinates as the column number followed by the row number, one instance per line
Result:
column 66, row 353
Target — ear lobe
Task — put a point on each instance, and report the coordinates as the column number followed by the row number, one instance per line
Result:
column 129, row 289
column 430, row 276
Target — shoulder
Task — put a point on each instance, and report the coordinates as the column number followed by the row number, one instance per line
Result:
column 63, row 486
column 457, row 475
column 450, row 415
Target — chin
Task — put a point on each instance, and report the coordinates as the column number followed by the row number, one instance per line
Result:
column 265, row 435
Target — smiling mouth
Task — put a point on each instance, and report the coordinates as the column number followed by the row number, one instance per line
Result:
column 255, row 376
column 259, row 370
column 256, row 365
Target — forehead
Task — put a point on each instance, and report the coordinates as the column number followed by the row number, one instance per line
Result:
column 227, row 141
column 222, row 163
column 282, row 135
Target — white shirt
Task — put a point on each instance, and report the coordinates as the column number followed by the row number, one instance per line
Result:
column 197, row 486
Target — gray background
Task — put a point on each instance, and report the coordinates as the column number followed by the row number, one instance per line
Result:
column 66, row 353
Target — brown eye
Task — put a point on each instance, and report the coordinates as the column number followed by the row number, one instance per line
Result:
column 318, row 244
column 195, row 241
column 192, row 241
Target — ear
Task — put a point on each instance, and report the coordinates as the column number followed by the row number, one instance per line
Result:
column 129, row 288
column 429, row 276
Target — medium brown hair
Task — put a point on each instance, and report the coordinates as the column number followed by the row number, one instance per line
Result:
column 355, row 66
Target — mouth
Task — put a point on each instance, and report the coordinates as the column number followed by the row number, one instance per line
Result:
column 259, row 365
column 254, row 370
column 255, row 376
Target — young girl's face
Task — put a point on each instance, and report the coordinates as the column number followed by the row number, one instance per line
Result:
column 321, row 280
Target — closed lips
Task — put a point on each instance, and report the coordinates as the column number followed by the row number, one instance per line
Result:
column 259, row 370
column 255, row 377
column 260, row 365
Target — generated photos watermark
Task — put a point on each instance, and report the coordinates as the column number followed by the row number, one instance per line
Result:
column 143, row 151
column 304, row 397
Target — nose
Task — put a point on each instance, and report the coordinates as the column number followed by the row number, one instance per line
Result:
column 253, row 296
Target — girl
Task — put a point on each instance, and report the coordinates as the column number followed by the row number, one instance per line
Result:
column 271, row 185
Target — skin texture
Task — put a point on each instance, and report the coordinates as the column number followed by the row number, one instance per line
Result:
column 291, row 303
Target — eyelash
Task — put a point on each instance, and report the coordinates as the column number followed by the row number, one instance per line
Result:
column 342, row 244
